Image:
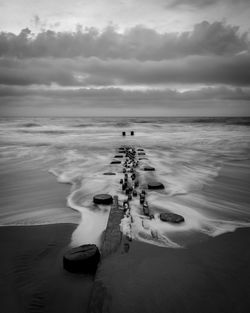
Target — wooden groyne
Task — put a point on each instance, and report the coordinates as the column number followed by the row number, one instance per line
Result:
column 112, row 236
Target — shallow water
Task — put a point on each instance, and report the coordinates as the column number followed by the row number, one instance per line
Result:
column 188, row 154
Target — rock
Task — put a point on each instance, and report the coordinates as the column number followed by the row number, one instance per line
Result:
column 171, row 218
column 140, row 149
column 118, row 156
column 109, row 173
column 155, row 185
column 84, row 258
column 103, row 199
column 115, row 162
column 134, row 193
column 140, row 159
column 132, row 133
column 141, row 153
column 149, row 168
column 123, row 133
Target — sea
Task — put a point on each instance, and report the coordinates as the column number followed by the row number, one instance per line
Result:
column 204, row 164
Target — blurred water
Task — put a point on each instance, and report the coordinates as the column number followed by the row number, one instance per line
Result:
column 188, row 154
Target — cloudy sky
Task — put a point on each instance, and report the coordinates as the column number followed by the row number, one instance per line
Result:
column 128, row 57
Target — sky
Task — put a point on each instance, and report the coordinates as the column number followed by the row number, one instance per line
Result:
column 125, row 58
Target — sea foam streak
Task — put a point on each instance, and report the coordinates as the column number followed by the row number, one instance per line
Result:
column 188, row 156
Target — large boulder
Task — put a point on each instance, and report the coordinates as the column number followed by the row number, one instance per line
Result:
column 155, row 185
column 171, row 218
column 84, row 258
column 103, row 199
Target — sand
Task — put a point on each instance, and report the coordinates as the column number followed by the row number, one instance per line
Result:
column 32, row 278
column 212, row 276
column 209, row 276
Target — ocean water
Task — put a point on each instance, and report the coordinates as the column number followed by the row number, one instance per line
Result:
column 188, row 154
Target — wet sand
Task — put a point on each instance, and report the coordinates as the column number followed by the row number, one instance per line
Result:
column 32, row 278
column 212, row 276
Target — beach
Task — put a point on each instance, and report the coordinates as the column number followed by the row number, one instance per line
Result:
column 50, row 172
column 31, row 271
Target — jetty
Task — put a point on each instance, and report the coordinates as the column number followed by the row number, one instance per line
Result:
column 88, row 258
column 112, row 235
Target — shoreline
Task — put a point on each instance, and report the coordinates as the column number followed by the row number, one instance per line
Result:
column 145, row 277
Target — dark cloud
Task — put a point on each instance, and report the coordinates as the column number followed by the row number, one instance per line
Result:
column 20, row 101
column 112, row 94
column 208, row 70
column 136, row 43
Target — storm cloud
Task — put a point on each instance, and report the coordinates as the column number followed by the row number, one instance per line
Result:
column 91, row 69
column 136, row 43
column 96, row 72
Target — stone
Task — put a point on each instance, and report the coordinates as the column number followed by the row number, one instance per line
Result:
column 103, row 199
column 171, row 218
column 84, row 258
column 109, row 173
column 155, row 185
column 118, row 156
column 149, row 168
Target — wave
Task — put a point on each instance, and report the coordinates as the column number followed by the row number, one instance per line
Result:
column 188, row 156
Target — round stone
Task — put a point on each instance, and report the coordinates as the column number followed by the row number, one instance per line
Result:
column 84, row 258
column 155, row 185
column 171, row 218
column 103, row 199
